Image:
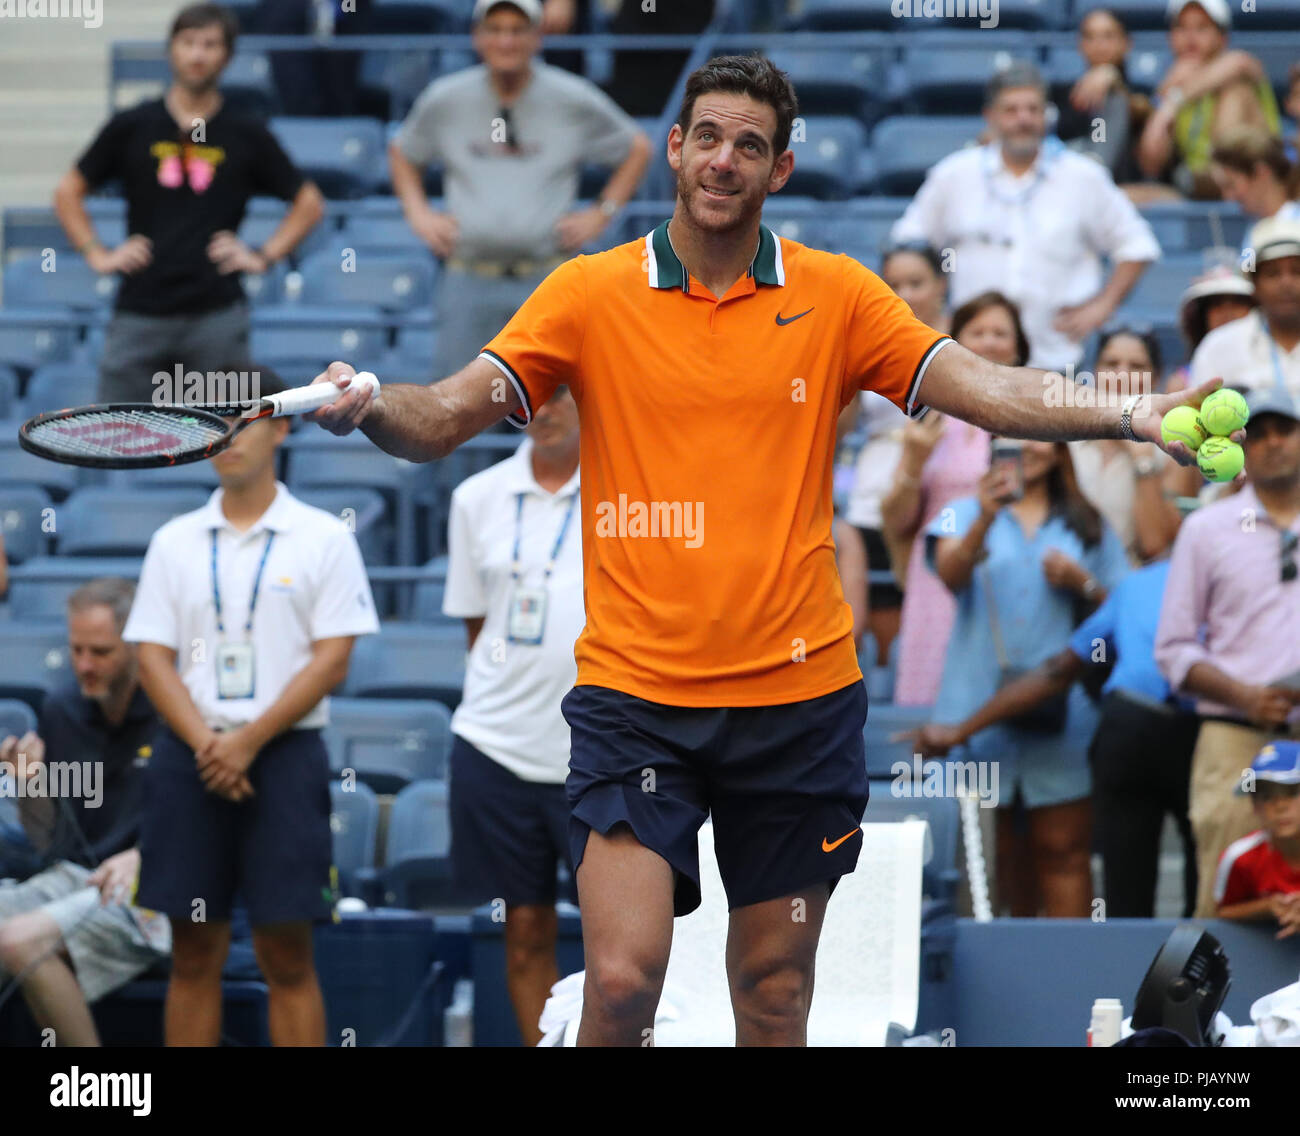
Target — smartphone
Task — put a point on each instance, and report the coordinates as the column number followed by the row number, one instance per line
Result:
column 1008, row 453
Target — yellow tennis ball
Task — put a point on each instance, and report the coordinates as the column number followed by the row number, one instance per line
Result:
column 1220, row 459
column 1224, row 411
column 1183, row 424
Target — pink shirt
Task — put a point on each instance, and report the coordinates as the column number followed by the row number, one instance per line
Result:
column 953, row 470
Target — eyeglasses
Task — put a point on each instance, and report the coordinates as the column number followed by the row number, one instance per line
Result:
column 1290, row 540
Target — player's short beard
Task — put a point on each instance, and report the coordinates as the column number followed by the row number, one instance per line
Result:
column 742, row 220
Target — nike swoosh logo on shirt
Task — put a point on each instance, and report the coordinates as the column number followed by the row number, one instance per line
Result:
column 782, row 322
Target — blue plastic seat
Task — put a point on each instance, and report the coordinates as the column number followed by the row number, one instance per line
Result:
column 71, row 283
column 851, row 15
column 364, row 512
column 24, row 513
column 389, row 743
column 354, row 824
column 390, row 234
column 40, row 587
column 192, row 475
column 883, row 720
column 418, row 868
column 9, row 402
column 59, row 385
column 30, row 338
column 16, row 718
column 833, row 82
column 1163, row 283
column 316, row 335
column 947, row 72
column 427, row 604
column 940, row 877
column 102, row 521
column 409, row 661
column 345, row 157
column 1035, row 15
column 18, row 466
column 825, row 159
column 35, row 658
column 394, row 281
column 248, row 85
column 906, row 146
column 418, row 17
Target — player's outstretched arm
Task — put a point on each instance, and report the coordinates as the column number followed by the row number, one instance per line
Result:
column 1022, row 402
column 420, row 423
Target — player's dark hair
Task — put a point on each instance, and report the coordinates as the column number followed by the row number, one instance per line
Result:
column 206, row 16
column 978, row 305
column 108, row 591
column 751, row 75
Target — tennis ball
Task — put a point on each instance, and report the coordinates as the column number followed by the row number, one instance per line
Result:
column 1220, row 459
column 1183, row 424
column 1224, row 411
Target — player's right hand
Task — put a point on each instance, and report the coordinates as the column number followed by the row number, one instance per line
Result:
column 349, row 410
column 1269, row 706
column 133, row 254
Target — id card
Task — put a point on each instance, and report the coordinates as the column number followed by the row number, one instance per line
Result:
column 527, row 615
column 235, row 670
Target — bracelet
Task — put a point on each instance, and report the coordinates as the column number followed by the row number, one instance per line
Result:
column 1126, row 418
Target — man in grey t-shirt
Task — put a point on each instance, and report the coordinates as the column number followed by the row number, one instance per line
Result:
column 512, row 136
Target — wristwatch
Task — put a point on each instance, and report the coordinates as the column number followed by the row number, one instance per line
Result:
column 1126, row 417
column 608, row 207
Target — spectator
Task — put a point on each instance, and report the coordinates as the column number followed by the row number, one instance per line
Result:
column 1259, row 875
column 1251, row 168
column 70, row 930
column 1262, row 349
column 915, row 273
column 1022, row 568
column 1293, row 113
column 1229, row 632
column 1207, row 91
column 1032, row 219
column 1129, row 483
column 242, row 636
column 1102, row 95
column 514, row 575
column 1141, row 753
column 513, row 135
column 941, row 460
column 1218, row 297
column 188, row 166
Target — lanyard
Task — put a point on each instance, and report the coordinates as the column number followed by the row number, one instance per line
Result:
column 559, row 540
column 1046, row 155
column 257, row 584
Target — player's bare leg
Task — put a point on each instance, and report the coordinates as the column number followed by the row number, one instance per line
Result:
column 531, row 970
column 294, row 1003
column 626, row 895
column 193, row 1012
column 771, row 953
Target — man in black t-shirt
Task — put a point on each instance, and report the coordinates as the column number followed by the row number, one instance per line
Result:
column 70, row 930
column 187, row 165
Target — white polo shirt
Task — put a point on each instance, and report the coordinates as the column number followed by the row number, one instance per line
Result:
column 313, row 586
column 1038, row 238
column 1243, row 354
column 511, row 706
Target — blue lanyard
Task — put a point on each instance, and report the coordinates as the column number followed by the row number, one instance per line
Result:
column 257, row 584
column 1046, row 154
column 559, row 540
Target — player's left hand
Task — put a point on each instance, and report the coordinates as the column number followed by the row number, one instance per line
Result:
column 574, row 230
column 230, row 254
column 1152, row 408
column 224, row 762
column 116, row 876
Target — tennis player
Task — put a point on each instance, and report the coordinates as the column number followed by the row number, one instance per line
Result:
column 716, row 671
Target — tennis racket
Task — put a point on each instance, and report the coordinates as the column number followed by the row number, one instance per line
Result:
column 139, row 435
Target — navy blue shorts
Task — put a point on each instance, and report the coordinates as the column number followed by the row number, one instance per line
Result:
column 274, row 849
column 787, row 786
column 508, row 835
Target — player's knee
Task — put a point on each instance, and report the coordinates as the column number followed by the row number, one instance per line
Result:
column 624, row 987
column 773, row 992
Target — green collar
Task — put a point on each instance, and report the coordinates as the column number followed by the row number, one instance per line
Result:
column 664, row 270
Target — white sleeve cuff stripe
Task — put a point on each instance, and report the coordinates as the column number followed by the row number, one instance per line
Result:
column 500, row 365
column 912, row 407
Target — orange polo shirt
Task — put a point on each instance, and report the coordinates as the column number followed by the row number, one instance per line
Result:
column 708, row 441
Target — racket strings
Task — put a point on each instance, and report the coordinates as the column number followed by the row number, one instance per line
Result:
column 127, row 433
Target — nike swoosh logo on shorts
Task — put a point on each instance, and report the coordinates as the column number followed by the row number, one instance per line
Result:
column 782, row 322
column 827, row 846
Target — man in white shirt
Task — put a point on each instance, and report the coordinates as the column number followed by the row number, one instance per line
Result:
column 514, row 575
column 1261, row 349
column 1032, row 219
column 245, row 614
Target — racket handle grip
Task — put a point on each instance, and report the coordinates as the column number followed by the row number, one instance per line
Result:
column 303, row 400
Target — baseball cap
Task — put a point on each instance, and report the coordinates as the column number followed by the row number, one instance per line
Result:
column 1274, row 238
column 1271, row 400
column 1278, row 762
column 1217, row 10
column 530, row 8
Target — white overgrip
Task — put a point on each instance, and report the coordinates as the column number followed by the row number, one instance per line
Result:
column 303, row 400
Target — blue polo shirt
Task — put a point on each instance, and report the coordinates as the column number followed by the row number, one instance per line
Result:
column 74, row 729
column 1126, row 623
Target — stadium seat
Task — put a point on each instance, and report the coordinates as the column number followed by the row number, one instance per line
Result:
column 39, row 589
column 1036, row 15
column 883, row 720
column 192, row 475
column 825, row 157
column 263, row 217
column 363, row 511
column 907, row 146
column 831, row 82
column 409, row 661
column 316, row 336
column 16, row 718
column 24, row 511
column 414, row 359
column 35, row 657
column 343, row 156
column 29, row 338
column 354, row 823
column 1136, row 14
column 1164, row 282
column 941, row 876
column 17, row 465
column 1277, row 54
column 875, row 216
column 265, row 287
column 384, row 234
column 9, row 403
column 1147, row 62
column 418, row 871
column 947, row 72
column 418, row 17
column 394, row 281
column 427, row 604
column 102, row 521
column 58, row 385
column 851, row 15
column 248, row 86
column 65, row 281
column 1283, row 16
column 389, row 743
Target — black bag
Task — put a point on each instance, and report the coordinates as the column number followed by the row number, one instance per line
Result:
column 1049, row 716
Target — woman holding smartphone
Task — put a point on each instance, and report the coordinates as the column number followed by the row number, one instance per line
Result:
column 1026, row 557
